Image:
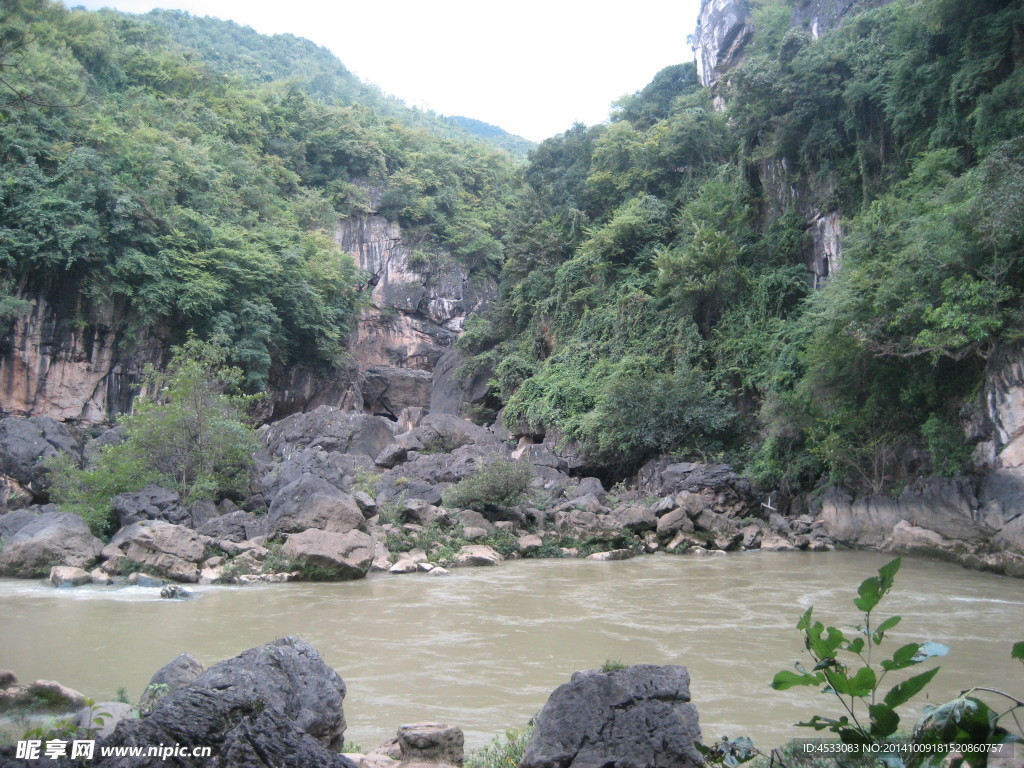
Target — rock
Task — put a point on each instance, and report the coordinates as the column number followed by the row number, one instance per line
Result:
column 51, row 538
column 166, row 550
column 529, row 543
column 946, row 506
column 439, row 571
column 142, row 580
column 404, row 564
column 472, row 519
column 476, row 554
column 341, row 470
column 101, row 719
column 365, row 502
column 7, row 679
column 391, row 456
column 151, row 503
column 586, row 525
column 752, row 535
column 174, row 592
column 27, row 444
column 275, row 705
column 14, row 521
column 910, row 539
column 68, row 576
column 591, row 486
column 337, row 555
column 612, row 554
column 99, row 576
column 719, row 488
column 722, row 532
column 311, row 502
column 431, row 743
column 673, row 522
column 40, row 696
column 773, row 542
column 234, row 526
column 330, row 429
column 636, row 518
column 172, row 676
column 638, row 716
column 13, row 495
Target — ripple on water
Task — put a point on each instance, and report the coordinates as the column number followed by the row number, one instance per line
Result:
column 483, row 648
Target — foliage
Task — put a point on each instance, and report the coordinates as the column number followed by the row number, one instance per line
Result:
column 612, row 665
column 196, row 172
column 504, row 751
column 869, row 715
column 497, row 484
column 188, row 433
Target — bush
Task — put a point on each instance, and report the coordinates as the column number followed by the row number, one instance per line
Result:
column 187, row 434
column 498, row 484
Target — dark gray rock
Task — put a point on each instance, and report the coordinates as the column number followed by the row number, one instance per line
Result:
column 342, row 470
column 92, row 449
column 431, row 743
column 172, row 676
column 234, row 526
column 13, row 522
column 721, row 489
column 151, row 503
column 311, row 502
column 636, row 518
column 331, row 430
column 638, row 717
column 51, row 538
column 26, row 444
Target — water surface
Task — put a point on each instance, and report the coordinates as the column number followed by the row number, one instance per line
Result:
column 484, row 647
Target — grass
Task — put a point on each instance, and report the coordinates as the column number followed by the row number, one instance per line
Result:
column 504, row 751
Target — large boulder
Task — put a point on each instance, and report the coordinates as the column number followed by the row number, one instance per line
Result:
column 331, row 430
column 637, row 716
column 431, row 744
column 275, row 705
column 26, row 445
column 721, row 489
column 310, row 502
column 51, row 538
column 171, row 551
column 342, row 470
column 341, row 556
column 234, row 526
column 151, row 503
column 946, row 507
column 175, row 674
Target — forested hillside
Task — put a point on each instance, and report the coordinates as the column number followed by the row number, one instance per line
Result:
column 202, row 195
column 656, row 293
column 656, row 289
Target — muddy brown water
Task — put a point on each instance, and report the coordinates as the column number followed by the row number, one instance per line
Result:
column 484, row 647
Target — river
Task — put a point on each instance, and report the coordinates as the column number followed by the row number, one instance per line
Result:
column 484, row 647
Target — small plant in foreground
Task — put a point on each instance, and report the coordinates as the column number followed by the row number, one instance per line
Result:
column 611, row 665
column 505, row 751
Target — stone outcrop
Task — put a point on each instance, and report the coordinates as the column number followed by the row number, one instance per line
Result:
column 341, row 556
column 175, row 674
column 163, row 549
column 639, row 715
column 49, row 539
column 52, row 364
column 723, row 29
column 275, row 705
column 39, row 696
column 25, row 447
column 434, row 744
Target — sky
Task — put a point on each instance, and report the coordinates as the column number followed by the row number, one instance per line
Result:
column 532, row 67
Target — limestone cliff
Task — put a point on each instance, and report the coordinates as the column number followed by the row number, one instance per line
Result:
column 84, row 365
column 724, row 27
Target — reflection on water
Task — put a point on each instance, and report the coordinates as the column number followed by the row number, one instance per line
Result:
column 484, row 647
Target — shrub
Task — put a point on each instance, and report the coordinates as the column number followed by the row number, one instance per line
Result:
column 188, row 434
column 498, row 484
column 504, row 751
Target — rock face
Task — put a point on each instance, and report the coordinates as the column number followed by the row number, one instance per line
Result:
column 638, row 716
column 723, row 29
column 51, row 538
column 171, row 551
column 431, row 744
column 25, row 444
column 340, row 556
column 180, row 672
column 52, row 365
column 275, row 705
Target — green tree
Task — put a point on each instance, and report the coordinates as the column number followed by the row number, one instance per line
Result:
column 187, row 432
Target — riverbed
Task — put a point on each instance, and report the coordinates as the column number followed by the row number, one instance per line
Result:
column 484, row 647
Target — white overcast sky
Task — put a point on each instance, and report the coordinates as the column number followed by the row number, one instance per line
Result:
column 533, row 67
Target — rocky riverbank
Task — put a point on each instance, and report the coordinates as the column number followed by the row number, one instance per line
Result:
column 337, row 494
column 280, row 705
